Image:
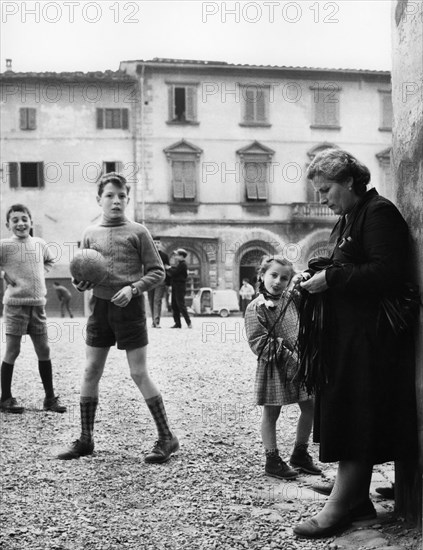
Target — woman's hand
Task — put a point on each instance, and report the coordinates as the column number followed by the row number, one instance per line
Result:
column 316, row 284
column 122, row 297
column 299, row 278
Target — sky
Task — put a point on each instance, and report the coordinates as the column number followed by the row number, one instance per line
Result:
column 95, row 36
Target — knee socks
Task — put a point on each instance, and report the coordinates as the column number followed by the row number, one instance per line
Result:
column 157, row 410
column 88, row 407
column 6, row 380
column 46, row 374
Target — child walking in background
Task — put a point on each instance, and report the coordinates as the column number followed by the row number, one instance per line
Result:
column 271, row 322
column 23, row 259
column 118, row 315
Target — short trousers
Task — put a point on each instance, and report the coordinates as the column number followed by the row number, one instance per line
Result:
column 20, row 320
column 109, row 324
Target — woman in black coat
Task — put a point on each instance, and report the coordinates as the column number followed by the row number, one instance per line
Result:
column 365, row 397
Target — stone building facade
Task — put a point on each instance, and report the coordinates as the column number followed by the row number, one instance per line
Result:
column 215, row 154
column 224, row 149
column 59, row 132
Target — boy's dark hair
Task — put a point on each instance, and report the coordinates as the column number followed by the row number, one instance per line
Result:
column 112, row 177
column 18, row 208
column 56, row 283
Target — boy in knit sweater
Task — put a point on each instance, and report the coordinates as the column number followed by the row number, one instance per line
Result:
column 118, row 314
column 23, row 259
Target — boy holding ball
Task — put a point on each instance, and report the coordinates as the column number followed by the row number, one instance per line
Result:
column 118, row 314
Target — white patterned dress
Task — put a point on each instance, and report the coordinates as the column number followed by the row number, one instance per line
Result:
column 272, row 337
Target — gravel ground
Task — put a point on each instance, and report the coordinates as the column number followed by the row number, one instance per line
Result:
column 212, row 495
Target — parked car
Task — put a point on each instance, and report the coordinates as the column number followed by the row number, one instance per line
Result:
column 221, row 302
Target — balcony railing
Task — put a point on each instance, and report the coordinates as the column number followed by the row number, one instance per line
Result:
column 311, row 210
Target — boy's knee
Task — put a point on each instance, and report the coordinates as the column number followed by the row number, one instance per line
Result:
column 139, row 376
column 92, row 372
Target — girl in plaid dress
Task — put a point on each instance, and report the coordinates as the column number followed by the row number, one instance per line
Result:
column 271, row 323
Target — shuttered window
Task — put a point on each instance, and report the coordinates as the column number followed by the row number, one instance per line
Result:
column 27, row 118
column 26, row 175
column 112, row 119
column 255, row 176
column 385, row 110
column 255, row 104
column 184, row 179
column 182, row 101
column 326, row 106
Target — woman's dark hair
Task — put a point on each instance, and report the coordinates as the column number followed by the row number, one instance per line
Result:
column 338, row 165
column 266, row 262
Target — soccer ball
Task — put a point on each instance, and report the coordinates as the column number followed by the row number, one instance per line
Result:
column 88, row 265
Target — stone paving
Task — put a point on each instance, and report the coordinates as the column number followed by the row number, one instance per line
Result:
column 213, row 496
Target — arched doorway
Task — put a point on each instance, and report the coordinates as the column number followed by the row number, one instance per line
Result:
column 194, row 276
column 249, row 263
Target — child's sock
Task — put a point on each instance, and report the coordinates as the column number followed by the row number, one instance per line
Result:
column 156, row 406
column 46, row 374
column 88, row 407
column 6, row 380
column 271, row 453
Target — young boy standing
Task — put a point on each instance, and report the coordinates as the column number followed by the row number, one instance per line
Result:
column 23, row 259
column 118, row 314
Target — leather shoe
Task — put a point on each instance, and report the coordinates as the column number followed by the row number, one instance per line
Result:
column 162, row 451
column 323, row 488
column 363, row 511
column 386, row 492
column 176, row 326
column 310, row 529
column 77, row 449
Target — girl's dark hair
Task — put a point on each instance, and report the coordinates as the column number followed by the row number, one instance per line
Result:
column 112, row 177
column 265, row 263
column 18, row 208
column 339, row 165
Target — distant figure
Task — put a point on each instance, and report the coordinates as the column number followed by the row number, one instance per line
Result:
column 179, row 275
column 246, row 293
column 156, row 294
column 64, row 296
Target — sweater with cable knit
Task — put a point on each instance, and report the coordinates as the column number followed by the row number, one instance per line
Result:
column 23, row 262
column 131, row 255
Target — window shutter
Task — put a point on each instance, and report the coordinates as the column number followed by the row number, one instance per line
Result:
column 100, row 116
column 261, row 180
column 178, row 183
column 32, row 119
column 261, row 101
column 171, row 103
column 189, row 179
column 40, row 174
column 13, row 175
column 326, row 108
column 331, row 109
column 191, row 103
column 250, row 180
column 125, row 119
column 387, row 114
column 319, row 108
column 249, row 102
column 23, row 118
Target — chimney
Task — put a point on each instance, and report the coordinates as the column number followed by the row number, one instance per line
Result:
column 9, row 64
